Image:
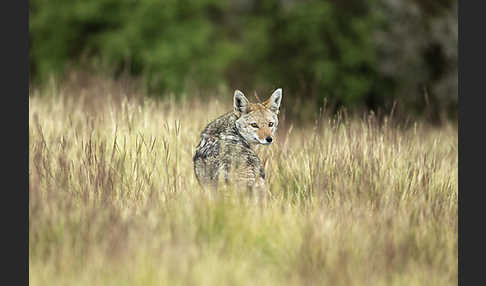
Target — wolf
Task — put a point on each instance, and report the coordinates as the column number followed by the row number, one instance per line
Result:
column 226, row 151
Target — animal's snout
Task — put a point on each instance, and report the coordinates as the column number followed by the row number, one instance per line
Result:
column 269, row 139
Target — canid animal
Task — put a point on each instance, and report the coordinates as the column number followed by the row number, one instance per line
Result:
column 226, row 151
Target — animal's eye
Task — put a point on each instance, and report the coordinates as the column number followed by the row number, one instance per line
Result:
column 270, row 124
column 254, row 125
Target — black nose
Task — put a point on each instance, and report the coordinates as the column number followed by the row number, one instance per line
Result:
column 269, row 139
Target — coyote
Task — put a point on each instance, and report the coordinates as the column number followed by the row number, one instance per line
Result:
column 226, row 151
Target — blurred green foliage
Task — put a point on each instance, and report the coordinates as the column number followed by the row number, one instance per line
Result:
column 315, row 50
column 168, row 41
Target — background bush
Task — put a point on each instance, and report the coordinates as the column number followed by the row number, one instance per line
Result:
column 353, row 53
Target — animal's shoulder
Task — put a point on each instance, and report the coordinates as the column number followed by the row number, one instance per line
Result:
column 223, row 124
column 220, row 137
column 209, row 146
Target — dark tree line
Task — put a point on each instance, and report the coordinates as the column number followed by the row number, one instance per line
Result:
column 345, row 52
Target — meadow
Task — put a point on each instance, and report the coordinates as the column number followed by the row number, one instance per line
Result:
column 113, row 199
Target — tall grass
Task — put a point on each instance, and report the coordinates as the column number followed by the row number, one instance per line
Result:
column 113, row 199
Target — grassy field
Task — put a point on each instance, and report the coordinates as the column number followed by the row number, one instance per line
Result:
column 113, row 199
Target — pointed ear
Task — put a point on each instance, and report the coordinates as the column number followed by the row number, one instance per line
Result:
column 273, row 103
column 240, row 102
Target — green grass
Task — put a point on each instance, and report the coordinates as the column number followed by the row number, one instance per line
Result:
column 113, row 199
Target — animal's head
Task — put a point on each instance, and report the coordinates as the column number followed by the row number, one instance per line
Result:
column 257, row 122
